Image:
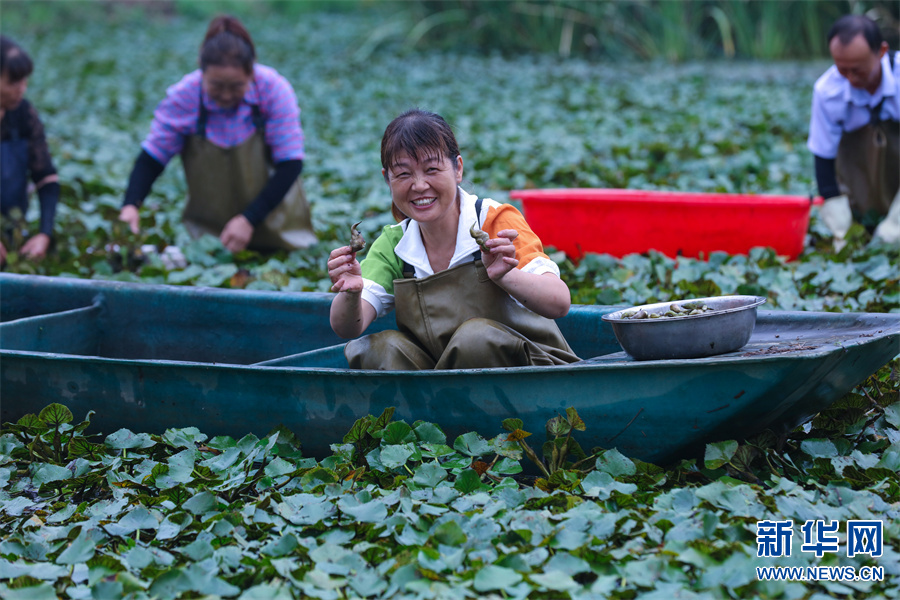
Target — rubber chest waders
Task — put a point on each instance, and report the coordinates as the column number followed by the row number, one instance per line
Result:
column 868, row 166
column 222, row 182
column 459, row 319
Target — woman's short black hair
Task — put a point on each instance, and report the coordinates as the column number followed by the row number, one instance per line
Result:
column 14, row 61
column 849, row 26
column 420, row 134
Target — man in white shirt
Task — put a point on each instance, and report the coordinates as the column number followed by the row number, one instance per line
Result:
column 854, row 132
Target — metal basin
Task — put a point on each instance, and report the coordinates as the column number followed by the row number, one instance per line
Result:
column 726, row 328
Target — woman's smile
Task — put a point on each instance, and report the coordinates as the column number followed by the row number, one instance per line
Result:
column 425, row 189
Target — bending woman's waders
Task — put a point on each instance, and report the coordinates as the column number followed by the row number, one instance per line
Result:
column 222, row 182
column 868, row 168
column 459, row 319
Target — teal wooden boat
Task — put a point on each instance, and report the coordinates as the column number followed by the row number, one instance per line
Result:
column 232, row 362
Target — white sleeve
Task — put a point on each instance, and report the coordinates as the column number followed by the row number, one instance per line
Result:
column 378, row 297
column 824, row 130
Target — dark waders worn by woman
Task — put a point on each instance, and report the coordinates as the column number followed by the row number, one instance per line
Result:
column 457, row 306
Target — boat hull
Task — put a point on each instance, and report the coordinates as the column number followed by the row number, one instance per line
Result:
column 795, row 365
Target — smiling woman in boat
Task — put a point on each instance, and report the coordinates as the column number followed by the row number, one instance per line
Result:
column 458, row 305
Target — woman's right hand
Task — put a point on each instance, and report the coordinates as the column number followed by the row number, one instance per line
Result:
column 344, row 271
column 129, row 214
column 349, row 314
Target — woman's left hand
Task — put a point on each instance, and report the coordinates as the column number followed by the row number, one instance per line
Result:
column 36, row 247
column 502, row 256
column 237, row 233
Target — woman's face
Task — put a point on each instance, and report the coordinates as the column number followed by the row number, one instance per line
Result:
column 226, row 85
column 11, row 94
column 425, row 190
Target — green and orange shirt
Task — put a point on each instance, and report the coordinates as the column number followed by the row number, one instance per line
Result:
column 403, row 243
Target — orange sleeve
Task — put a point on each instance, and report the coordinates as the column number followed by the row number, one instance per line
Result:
column 506, row 216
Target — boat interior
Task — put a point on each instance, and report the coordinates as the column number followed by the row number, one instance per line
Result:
column 280, row 329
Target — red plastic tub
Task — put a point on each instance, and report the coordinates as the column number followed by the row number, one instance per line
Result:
column 620, row 222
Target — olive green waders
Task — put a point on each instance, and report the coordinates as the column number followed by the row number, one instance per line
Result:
column 868, row 168
column 222, row 182
column 459, row 319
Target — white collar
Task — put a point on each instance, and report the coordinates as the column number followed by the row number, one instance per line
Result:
column 411, row 249
column 887, row 87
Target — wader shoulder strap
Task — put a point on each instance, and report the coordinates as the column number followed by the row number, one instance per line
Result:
column 409, row 272
column 876, row 111
column 202, row 116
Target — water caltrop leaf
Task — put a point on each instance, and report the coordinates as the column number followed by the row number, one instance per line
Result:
column 80, row 550
column 186, row 437
column 397, row 432
column 512, row 424
column 47, row 473
column 892, row 414
column 719, row 453
column 517, row 435
column 471, row 444
column 55, row 415
column 449, row 533
column 217, row 276
column 358, row 430
column 125, row 439
column 30, row 420
column 574, row 420
column 140, row 518
column 396, row 455
column 493, row 577
column 429, row 474
column 268, row 591
column 369, row 512
column 429, row 433
column 41, row 591
column 170, row 584
column 615, row 463
column 279, row 467
column 819, row 448
column 201, row 503
column 223, row 461
column 555, row 580
column 468, row 481
column 384, row 418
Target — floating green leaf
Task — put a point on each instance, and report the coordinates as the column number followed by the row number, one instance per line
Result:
column 719, row 453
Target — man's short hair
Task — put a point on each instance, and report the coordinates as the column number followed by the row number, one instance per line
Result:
column 849, row 26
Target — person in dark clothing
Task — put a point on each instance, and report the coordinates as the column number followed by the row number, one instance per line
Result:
column 23, row 151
